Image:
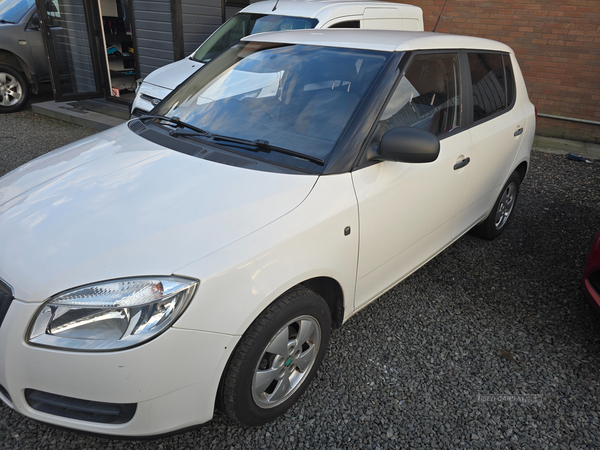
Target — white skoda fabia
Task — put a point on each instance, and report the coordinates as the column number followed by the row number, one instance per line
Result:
column 200, row 256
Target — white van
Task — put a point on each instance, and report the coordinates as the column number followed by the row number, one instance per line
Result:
column 275, row 15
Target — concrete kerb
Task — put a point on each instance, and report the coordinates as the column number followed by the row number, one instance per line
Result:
column 87, row 118
column 564, row 146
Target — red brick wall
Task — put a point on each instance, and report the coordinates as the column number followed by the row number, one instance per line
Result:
column 557, row 43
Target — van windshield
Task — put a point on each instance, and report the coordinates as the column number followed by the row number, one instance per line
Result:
column 242, row 25
column 12, row 11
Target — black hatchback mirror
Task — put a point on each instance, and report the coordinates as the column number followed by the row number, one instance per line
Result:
column 409, row 145
column 34, row 22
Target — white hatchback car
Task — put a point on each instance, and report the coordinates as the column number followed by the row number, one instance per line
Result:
column 276, row 15
column 203, row 255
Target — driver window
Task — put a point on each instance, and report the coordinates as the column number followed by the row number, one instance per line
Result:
column 427, row 97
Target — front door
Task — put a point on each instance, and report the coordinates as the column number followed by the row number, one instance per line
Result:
column 407, row 211
column 71, row 39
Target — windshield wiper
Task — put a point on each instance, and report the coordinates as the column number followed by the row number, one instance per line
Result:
column 258, row 144
column 176, row 121
column 6, row 21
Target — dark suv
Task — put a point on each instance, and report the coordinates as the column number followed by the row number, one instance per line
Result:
column 22, row 57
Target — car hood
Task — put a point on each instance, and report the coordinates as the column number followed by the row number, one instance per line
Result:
column 172, row 75
column 116, row 205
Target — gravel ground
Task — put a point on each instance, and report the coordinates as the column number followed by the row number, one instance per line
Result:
column 435, row 361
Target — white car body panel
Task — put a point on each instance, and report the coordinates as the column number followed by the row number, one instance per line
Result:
column 328, row 10
column 162, row 81
column 408, row 196
column 372, row 15
column 398, row 41
column 141, row 179
column 170, row 377
column 117, row 205
column 251, row 273
column 493, row 160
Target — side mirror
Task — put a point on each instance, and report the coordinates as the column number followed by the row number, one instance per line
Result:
column 408, row 145
column 34, row 22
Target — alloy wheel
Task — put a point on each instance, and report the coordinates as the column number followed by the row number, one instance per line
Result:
column 11, row 90
column 286, row 362
column 505, row 207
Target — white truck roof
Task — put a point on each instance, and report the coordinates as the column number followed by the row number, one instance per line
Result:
column 382, row 40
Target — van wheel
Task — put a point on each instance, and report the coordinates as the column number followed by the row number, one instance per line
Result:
column 14, row 90
column 276, row 359
column 501, row 213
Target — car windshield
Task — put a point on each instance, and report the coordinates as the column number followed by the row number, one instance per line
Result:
column 12, row 11
column 242, row 25
column 297, row 97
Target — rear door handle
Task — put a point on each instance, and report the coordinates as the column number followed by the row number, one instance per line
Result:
column 519, row 131
column 461, row 164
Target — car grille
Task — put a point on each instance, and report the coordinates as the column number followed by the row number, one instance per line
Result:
column 594, row 280
column 75, row 408
column 6, row 298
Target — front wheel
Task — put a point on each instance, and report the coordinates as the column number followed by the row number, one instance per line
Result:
column 276, row 359
column 14, row 90
column 502, row 211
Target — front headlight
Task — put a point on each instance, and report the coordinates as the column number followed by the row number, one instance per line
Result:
column 111, row 315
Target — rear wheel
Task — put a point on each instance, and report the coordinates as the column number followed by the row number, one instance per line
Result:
column 276, row 359
column 14, row 90
column 501, row 213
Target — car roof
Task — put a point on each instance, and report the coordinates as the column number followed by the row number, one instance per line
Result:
column 312, row 8
column 382, row 40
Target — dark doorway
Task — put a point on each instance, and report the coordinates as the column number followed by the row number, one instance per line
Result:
column 72, row 48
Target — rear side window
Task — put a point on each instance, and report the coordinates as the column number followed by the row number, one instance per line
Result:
column 427, row 97
column 347, row 24
column 510, row 80
column 489, row 81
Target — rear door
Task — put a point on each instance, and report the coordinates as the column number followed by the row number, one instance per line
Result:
column 497, row 128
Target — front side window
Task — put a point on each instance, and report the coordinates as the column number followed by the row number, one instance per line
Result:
column 298, row 97
column 489, row 84
column 427, row 96
column 242, row 25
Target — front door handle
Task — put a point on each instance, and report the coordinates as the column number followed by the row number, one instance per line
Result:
column 519, row 131
column 461, row 164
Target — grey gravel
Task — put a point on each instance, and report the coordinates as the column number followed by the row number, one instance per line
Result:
column 502, row 318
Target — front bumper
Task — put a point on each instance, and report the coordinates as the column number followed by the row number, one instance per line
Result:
column 172, row 380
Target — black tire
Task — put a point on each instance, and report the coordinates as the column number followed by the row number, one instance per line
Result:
column 251, row 366
column 502, row 212
column 14, row 89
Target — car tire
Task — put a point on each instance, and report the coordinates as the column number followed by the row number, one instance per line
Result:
column 14, row 89
column 276, row 359
column 502, row 212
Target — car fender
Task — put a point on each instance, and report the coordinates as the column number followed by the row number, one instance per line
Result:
column 10, row 59
column 239, row 281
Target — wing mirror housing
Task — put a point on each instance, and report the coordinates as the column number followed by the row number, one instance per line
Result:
column 408, row 145
column 34, row 22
